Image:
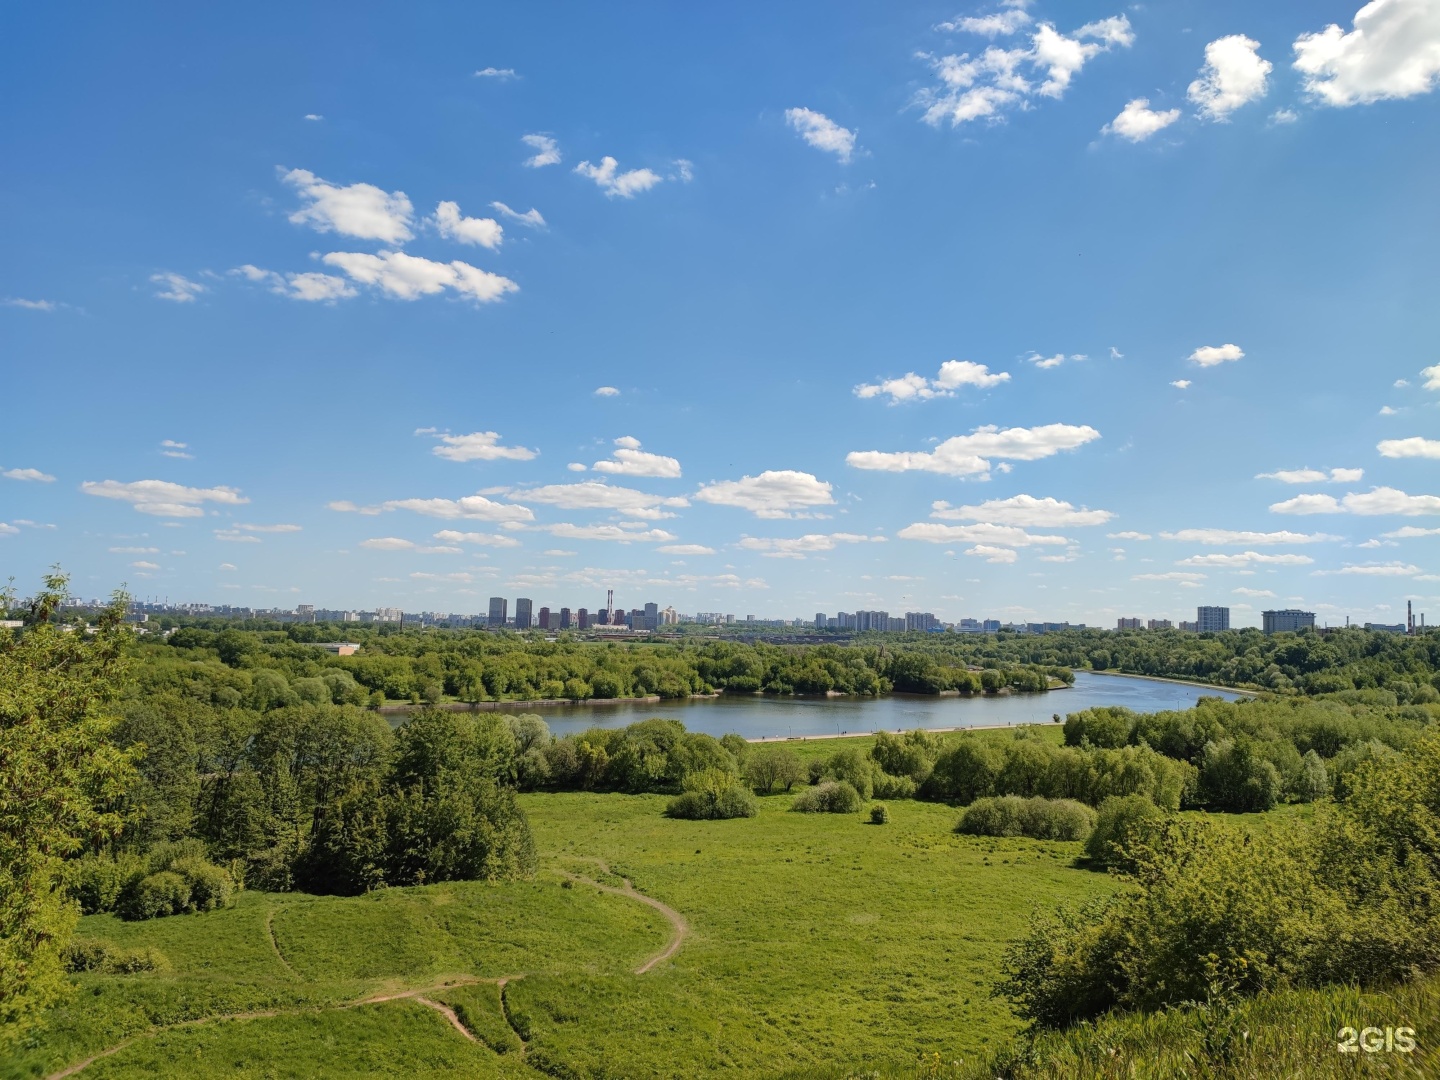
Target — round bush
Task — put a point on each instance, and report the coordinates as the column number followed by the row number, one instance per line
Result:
column 712, row 794
column 165, row 893
column 893, row 787
column 828, row 797
column 1123, row 819
column 879, row 814
column 1040, row 819
column 210, row 886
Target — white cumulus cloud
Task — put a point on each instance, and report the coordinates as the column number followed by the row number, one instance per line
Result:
column 630, row 460
column 775, row 493
column 1211, row 355
column 598, row 495
column 177, row 288
column 500, row 74
column 821, row 132
column 969, row 455
column 451, row 536
column 408, row 277
column 453, row 225
column 1414, row 447
column 478, row 446
column 614, row 183
column 1234, row 74
column 1392, row 51
column 1136, row 122
column 981, row 533
column 547, row 151
column 531, row 219
column 953, row 375
column 162, row 498
column 29, row 474
column 360, row 210
column 1243, row 536
column 311, row 285
column 1380, row 500
column 1246, row 558
column 993, row 554
column 798, row 547
column 1313, row 476
column 686, row 549
column 1022, row 510
column 618, row 533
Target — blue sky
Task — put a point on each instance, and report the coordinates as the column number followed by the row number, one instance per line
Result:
column 992, row 310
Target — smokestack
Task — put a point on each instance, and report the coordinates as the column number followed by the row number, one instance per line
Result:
column 1410, row 618
column 610, row 602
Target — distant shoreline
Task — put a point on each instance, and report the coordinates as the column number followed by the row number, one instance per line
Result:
column 897, row 731
column 1178, row 682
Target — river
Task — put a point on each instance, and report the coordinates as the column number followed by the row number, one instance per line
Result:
column 761, row 716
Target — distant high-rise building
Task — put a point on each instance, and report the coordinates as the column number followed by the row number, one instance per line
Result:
column 544, row 618
column 565, row 622
column 305, row 612
column 524, row 614
column 1211, row 619
column 1160, row 624
column 920, row 620
column 669, row 617
column 602, row 617
column 583, row 617
column 1277, row 622
column 991, row 626
column 1127, row 624
column 499, row 611
column 820, row 620
column 1189, row 626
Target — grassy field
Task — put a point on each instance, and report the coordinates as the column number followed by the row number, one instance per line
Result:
column 813, row 943
column 810, row 945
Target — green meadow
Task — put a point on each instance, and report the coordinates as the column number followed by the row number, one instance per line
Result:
column 811, row 943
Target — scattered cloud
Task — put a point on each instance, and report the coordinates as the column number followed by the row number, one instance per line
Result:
column 798, row 547
column 1173, row 575
column 135, row 550
column 1211, row 355
column 233, row 536
column 408, row 277
column 1127, row 536
column 29, row 305
column 269, row 528
column 999, row 24
column 499, row 74
column 1284, row 116
column 999, row 80
column 624, row 185
column 1411, row 532
column 547, row 151
column 1432, row 377
column 311, row 286
column 1181, row 384
column 1045, row 363
column 531, row 218
column 360, row 210
column 775, row 493
column 1234, row 74
column 452, row 225
column 1393, row 51
column 562, row 553
column 477, row 446
column 1414, row 447
column 1022, row 510
column 1136, row 122
column 162, row 498
column 617, row 533
column 177, row 288
column 993, row 554
column 472, row 507
column 1390, row 569
column 952, row 375
column 819, row 131
column 171, row 448
column 313, row 116
column 686, row 549
column 34, row 475
column 1313, row 476
column 606, row 391
column 226, row 566
column 143, row 565
column 630, row 460
column 395, row 543
column 1380, row 500
column 1241, row 536
column 968, row 455
column 451, row 536
column 598, row 495
column 1246, row 558
column 6, row 529
column 981, row 533
column 1242, row 591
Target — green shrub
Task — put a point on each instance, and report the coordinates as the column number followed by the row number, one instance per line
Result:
column 97, row 882
column 103, row 958
column 1123, row 821
column 1041, row 819
column 210, row 886
column 886, row 786
column 712, row 794
column 769, row 767
column 879, row 814
column 852, row 767
column 828, row 797
column 155, row 896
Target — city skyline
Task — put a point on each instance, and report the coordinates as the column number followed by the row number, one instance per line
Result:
column 1142, row 325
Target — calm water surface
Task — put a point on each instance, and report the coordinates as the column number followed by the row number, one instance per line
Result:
column 767, row 717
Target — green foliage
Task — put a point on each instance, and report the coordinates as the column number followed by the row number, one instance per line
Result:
column 828, row 797
column 771, row 767
column 879, row 814
column 61, row 781
column 712, row 794
column 1123, row 822
column 1038, row 818
column 105, row 958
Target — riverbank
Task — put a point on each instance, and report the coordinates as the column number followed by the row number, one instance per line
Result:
column 1176, row 682
column 897, row 731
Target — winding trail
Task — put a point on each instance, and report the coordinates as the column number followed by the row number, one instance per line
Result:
column 677, row 921
column 626, row 889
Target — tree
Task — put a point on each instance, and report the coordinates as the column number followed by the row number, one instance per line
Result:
column 60, row 781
